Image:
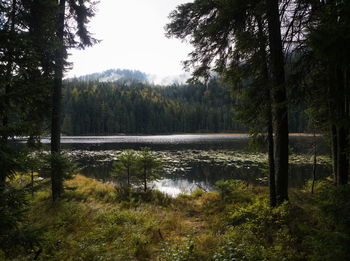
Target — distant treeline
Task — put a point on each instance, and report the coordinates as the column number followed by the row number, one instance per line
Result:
column 100, row 108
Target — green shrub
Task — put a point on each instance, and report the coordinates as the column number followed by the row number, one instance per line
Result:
column 330, row 240
column 258, row 232
column 335, row 206
column 197, row 193
column 135, row 197
column 327, row 245
column 233, row 190
column 17, row 235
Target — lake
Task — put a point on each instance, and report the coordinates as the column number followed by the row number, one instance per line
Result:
column 196, row 161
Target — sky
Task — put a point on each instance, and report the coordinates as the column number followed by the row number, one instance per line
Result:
column 132, row 37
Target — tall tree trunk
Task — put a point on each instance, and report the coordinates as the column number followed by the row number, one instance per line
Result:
column 332, row 114
column 56, row 175
column 343, row 145
column 279, row 101
column 315, row 163
column 265, row 75
column 5, row 118
column 334, row 141
column 272, row 180
column 341, row 112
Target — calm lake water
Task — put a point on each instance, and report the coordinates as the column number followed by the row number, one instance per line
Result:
column 195, row 161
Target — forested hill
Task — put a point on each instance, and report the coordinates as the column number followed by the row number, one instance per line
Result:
column 99, row 104
column 95, row 107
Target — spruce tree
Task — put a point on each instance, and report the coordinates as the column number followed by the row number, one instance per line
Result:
column 279, row 97
column 78, row 15
column 230, row 37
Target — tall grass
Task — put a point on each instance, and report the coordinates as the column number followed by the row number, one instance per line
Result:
column 96, row 222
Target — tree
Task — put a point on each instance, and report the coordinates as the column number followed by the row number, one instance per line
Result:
column 324, row 54
column 126, row 164
column 148, row 167
column 99, row 108
column 329, row 40
column 229, row 37
column 24, row 91
column 279, row 98
column 25, row 82
column 78, row 16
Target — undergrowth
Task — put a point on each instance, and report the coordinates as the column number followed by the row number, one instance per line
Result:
column 96, row 221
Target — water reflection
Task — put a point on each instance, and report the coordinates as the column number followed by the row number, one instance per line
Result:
column 177, row 186
column 194, row 161
column 184, row 171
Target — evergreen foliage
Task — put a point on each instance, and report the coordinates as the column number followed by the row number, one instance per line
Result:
column 110, row 108
column 231, row 38
column 17, row 235
column 126, row 166
column 324, row 53
column 71, row 20
column 277, row 57
column 25, row 78
column 148, row 167
column 137, row 168
column 105, row 108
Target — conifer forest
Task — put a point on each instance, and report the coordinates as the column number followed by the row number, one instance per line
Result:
column 246, row 158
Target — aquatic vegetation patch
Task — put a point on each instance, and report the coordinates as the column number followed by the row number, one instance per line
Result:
column 174, row 160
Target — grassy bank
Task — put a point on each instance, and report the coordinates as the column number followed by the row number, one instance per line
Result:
column 95, row 221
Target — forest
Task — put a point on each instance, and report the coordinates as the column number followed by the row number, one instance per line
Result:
column 111, row 108
column 280, row 66
column 97, row 104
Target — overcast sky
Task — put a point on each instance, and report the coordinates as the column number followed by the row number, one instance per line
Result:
column 133, row 37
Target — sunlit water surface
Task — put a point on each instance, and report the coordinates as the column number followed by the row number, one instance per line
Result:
column 195, row 161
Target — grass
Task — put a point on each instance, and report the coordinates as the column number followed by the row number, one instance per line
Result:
column 95, row 221
column 92, row 223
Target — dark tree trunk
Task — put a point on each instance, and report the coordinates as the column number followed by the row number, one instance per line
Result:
column 341, row 111
column 315, row 164
column 272, row 180
column 4, row 142
column 334, row 153
column 332, row 111
column 265, row 72
column 342, row 145
column 5, row 120
column 56, row 175
column 279, row 102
